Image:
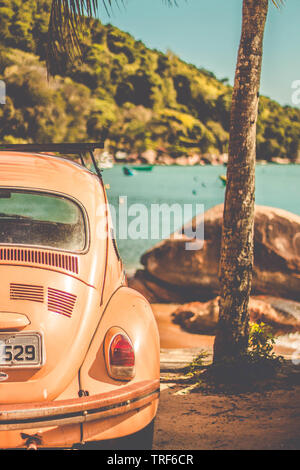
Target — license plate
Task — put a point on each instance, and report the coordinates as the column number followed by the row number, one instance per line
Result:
column 20, row 350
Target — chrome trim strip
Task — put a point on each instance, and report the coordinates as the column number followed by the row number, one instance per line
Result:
column 81, row 416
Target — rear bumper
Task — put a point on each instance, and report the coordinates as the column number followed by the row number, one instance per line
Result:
column 80, row 410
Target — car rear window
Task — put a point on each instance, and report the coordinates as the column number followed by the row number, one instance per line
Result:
column 41, row 219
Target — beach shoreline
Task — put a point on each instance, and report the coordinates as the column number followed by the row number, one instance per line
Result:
column 173, row 336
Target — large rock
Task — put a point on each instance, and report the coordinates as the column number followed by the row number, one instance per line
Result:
column 193, row 275
column 202, row 317
column 149, row 157
column 154, row 292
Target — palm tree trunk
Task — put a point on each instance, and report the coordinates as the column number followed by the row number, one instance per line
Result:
column 237, row 241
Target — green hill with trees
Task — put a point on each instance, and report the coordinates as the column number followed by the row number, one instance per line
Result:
column 142, row 99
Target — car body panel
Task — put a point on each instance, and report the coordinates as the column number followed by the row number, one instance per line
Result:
column 66, row 338
column 60, row 176
column 71, row 299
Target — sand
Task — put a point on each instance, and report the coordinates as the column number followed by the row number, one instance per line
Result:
column 173, row 336
column 256, row 421
column 266, row 419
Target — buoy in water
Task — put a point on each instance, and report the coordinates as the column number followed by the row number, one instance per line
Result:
column 223, row 178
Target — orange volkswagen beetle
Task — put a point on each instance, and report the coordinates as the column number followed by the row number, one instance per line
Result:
column 79, row 350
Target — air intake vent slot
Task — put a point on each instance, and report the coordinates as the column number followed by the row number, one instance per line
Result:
column 61, row 302
column 46, row 258
column 26, row 292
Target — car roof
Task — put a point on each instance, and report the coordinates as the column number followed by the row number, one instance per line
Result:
column 46, row 172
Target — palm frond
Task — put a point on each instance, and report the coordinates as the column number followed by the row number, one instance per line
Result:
column 66, row 21
column 277, row 3
column 171, row 3
column 65, row 26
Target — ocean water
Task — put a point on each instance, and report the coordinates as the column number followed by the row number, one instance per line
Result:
column 276, row 186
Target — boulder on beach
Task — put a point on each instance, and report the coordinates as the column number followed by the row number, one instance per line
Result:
column 174, row 274
column 202, row 317
column 149, row 157
column 152, row 290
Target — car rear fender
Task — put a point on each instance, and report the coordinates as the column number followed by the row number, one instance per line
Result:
column 128, row 310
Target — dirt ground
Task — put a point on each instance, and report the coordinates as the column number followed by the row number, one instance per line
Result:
column 267, row 419
column 256, row 421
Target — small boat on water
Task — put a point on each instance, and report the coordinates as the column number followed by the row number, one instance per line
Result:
column 143, row 167
column 128, row 171
column 105, row 160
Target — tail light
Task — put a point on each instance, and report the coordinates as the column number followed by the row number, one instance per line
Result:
column 120, row 357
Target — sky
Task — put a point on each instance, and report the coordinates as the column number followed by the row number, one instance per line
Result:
column 206, row 33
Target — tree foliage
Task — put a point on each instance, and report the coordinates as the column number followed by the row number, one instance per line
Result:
column 143, row 98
